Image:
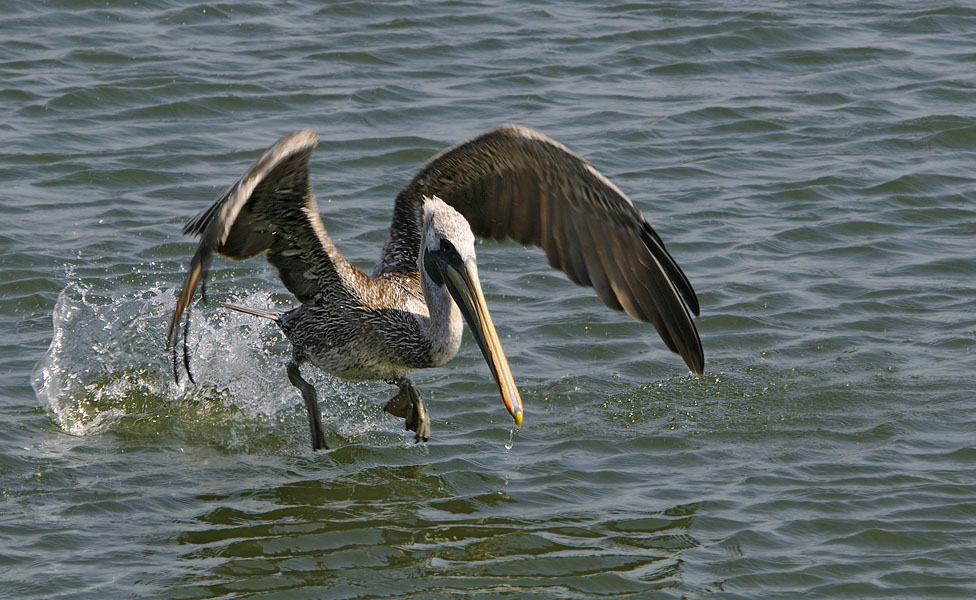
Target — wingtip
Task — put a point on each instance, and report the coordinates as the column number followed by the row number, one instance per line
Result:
column 198, row 266
column 695, row 357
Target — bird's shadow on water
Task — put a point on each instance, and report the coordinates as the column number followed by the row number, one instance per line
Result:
column 380, row 521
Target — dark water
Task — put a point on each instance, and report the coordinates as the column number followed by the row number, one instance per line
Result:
column 809, row 165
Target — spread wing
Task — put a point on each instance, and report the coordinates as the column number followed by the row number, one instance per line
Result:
column 270, row 208
column 512, row 182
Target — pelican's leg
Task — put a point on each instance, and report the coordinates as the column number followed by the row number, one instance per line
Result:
column 311, row 403
column 408, row 405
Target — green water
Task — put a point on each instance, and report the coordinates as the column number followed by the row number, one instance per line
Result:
column 809, row 165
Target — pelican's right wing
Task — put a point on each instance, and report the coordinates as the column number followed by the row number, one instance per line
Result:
column 515, row 183
column 270, row 208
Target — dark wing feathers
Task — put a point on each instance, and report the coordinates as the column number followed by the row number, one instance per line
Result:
column 512, row 182
column 653, row 241
column 270, row 208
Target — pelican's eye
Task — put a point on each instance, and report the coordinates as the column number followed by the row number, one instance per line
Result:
column 435, row 261
column 449, row 254
column 447, row 247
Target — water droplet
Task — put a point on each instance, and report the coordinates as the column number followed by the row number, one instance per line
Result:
column 511, row 438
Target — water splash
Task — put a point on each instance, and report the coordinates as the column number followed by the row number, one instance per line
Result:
column 108, row 367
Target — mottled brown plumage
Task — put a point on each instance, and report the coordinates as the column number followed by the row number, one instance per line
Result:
column 507, row 183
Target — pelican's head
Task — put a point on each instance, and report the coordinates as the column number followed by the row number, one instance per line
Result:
column 447, row 257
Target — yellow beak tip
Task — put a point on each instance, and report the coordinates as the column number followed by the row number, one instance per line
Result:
column 518, row 419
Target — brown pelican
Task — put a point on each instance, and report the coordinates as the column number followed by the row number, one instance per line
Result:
column 510, row 182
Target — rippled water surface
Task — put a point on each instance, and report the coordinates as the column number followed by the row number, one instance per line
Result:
column 811, row 167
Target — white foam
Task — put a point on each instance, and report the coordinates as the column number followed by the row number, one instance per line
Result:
column 108, row 359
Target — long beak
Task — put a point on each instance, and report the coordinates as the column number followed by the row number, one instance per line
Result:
column 464, row 286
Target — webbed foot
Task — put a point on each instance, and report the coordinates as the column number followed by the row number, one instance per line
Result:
column 408, row 405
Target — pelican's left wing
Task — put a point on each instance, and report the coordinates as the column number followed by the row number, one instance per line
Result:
column 270, row 208
column 512, row 182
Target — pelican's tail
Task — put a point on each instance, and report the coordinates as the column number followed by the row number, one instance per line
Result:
column 257, row 312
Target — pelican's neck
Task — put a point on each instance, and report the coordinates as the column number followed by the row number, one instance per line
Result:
column 443, row 324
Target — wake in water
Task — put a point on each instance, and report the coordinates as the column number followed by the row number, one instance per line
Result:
column 108, row 367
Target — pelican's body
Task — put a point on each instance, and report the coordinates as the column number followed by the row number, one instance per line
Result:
column 509, row 182
column 365, row 340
